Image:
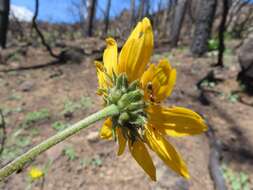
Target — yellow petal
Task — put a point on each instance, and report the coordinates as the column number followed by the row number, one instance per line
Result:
column 137, row 51
column 106, row 129
column 101, row 76
column 166, row 152
column 158, row 81
column 175, row 121
column 110, row 56
column 121, row 141
column 141, row 155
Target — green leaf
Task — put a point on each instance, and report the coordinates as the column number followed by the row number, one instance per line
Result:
column 58, row 126
column 70, row 153
column 23, row 141
column 36, row 116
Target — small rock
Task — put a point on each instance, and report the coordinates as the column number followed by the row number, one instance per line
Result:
column 93, row 136
column 74, row 54
column 26, row 86
column 68, row 115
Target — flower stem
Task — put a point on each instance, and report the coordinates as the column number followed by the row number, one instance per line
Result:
column 27, row 157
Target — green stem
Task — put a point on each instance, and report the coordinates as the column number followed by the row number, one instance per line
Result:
column 19, row 162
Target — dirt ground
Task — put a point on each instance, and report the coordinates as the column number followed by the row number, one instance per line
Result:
column 86, row 162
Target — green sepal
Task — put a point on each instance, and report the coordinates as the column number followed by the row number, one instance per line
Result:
column 115, row 95
column 136, row 106
column 135, row 95
column 124, row 83
column 123, row 118
column 119, row 81
column 133, row 86
column 140, row 121
column 114, row 77
column 123, row 102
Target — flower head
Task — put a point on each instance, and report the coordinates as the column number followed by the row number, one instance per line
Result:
column 35, row 173
column 138, row 88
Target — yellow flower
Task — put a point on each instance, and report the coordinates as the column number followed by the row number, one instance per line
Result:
column 138, row 88
column 35, row 173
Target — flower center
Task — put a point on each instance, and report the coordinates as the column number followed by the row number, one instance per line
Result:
column 130, row 100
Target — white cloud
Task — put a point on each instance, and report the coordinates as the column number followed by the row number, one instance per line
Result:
column 21, row 13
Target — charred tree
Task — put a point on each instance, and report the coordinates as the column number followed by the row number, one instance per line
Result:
column 107, row 16
column 164, row 20
column 222, row 29
column 178, row 19
column 204, row 22
column 91, row 6
column 245, row 76
column 141, row 9
column 147, row 8
column 4, row 21
column 132, row 14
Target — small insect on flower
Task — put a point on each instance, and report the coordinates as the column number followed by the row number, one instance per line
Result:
column 138, row 89
column 35, row 173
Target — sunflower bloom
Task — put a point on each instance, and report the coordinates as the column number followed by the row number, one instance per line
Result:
column 138, row 88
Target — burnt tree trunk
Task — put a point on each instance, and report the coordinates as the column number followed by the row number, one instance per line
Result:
column 107, row 16
column 4, row 21
column 246, row 63
column 141, row 9
column 83, row 15
column 204, row 22
column 164, row 20
column 178, row 19
column 147, row 8
column 222, row 29
column 91, row 5
column 132, row 14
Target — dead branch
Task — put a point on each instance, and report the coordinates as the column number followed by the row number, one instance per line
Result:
column 214, row 160
column 35, row 26
column 72, row 54
column 214, row 142
column 3, row 133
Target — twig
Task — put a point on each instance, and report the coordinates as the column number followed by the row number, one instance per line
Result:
column 3, row 127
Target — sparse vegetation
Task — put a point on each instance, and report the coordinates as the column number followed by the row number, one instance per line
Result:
column 71, row 106
column 207, row 83
column 36, row 116
column 236, row 180
column 233, row 97
column 59, row 126
column 70, row 153
column 213, row 44
column 95, row 161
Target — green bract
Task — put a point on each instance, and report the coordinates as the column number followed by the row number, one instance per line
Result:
column 130, row 100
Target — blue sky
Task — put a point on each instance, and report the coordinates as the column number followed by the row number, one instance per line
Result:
column 60, row 10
